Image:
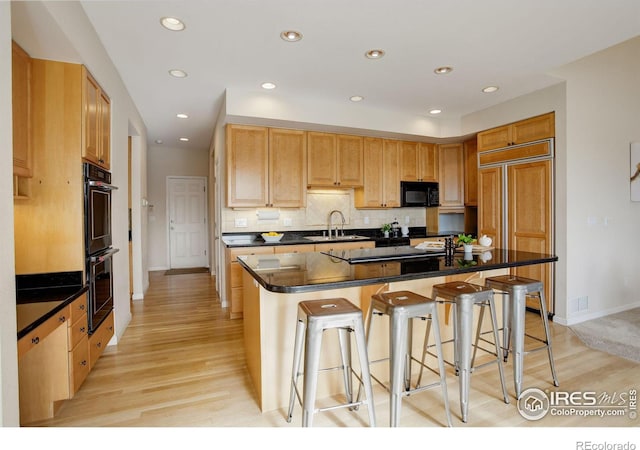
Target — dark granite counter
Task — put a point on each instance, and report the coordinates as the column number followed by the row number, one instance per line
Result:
column 304, row 272
column 40, row 296
column 254, row 239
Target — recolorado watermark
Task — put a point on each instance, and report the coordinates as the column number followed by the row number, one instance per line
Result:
column 534, row 404
column 589, row 445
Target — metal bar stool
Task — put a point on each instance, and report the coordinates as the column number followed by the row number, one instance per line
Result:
column 314, row 317
column 402, row 307
column 464, row 296
column 518, row 289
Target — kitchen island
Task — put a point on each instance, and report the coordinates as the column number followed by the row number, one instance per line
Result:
column 275, row 283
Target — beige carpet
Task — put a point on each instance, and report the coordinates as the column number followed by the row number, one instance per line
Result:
column 618, row 334
column 187, row 270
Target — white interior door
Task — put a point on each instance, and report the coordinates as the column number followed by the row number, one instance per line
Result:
column 187, row 208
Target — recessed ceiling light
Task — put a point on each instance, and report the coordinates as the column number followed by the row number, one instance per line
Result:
column 356, row 98
column 182, row 116
column 183, row 139
column 442, row 70
column 158, row 141
column 489, row 89
column 435, row 111
column 374, row 54
column 173, row 24
column 291, row 36
column 177, row 73
column 268, row 85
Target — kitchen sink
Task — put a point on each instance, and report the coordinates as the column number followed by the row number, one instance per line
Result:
column 351, row 237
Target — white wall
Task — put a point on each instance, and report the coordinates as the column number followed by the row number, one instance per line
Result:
column 163, row 162
column 9, row 413
column 602, row 119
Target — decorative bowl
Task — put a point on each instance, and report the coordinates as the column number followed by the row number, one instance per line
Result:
column 272, row 238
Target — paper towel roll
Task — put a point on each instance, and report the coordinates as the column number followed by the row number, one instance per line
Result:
column 268, row 214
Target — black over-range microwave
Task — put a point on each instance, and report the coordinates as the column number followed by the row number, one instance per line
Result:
column 419, row 193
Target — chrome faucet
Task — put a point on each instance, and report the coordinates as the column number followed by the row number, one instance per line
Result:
column 331, row 222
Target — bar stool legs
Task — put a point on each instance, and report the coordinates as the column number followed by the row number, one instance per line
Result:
column 515, row 291
column 403, row 307
column 314, row 317
column 464, row 296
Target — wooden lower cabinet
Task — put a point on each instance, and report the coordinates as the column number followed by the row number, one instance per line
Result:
column 78, row 336
column 234, row 276
column 99, row 339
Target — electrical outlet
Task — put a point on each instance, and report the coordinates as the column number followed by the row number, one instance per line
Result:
column 241, row 222
column 583, row 303
column 407, row 220
column 366, row 220
column 287, row 222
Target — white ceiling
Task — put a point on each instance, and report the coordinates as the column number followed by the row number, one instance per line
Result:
column 235, row 44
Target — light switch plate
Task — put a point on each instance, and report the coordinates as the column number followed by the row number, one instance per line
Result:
column 287, row 222
column 241, row 223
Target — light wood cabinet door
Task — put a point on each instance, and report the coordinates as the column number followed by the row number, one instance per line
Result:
column 470, row 173
column 247, row 166
column 21, row 103
column 99, row 339
column 287, row 164
column 530, row 218
column 490, row 204
column 428, row 162
column 391, row 174
column 96, row 120
column 451, row 176
column 233, row 271
column 521, row 132
column 321, row 159
column 104, row 132
column 409, row 163
column 370, row 195
column 350, row 161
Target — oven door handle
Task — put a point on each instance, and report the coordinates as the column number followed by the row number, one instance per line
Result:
column 101, row 257
column 102, row 185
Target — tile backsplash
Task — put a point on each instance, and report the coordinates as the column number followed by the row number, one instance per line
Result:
column 315, row 216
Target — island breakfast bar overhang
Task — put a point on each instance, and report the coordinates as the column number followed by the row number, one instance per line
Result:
column 275, row 284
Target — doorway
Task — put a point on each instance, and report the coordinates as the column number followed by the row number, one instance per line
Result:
column 187, row 220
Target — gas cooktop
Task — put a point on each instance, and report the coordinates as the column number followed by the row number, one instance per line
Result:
column 382, row 254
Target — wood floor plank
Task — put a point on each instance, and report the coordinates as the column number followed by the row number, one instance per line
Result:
column 180, row 363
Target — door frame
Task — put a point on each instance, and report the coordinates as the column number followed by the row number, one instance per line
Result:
column 205, row 243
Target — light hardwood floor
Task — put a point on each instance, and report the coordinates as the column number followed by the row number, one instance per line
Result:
column 181, row 363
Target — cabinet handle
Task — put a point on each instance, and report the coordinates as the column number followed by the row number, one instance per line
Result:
column 84, row 362
column 110, row 328
column 62, row 319
column 35, row 340
column 82, row 330
column 99, row 344
column 82, row 307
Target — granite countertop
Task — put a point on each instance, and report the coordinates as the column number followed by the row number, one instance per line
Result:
column 254, row 239
column 304, row 272
column 40, row 296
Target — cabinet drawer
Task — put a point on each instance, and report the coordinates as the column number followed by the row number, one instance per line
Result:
column 235, row 252
column 79, row 308
column 99, row 340
column 41, row 332
column 302, row 248
column 78, row 365
column 77, row 331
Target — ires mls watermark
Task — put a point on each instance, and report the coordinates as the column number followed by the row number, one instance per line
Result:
column 534, row 404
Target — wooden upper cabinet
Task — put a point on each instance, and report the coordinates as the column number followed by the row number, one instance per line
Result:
column 287, row 163
column 247, row 166
column 418, row 161
column 265, row 167
column 451, row 176
column 350, row 161
column 334, row 160
column 470, row 172
column 490, row 203
column 96, row 137
column 381, row 187
column 528, row 130
column 21, row 101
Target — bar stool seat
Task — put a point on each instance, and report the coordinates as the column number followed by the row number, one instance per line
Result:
column 464, row 296
column 515, row 289
column 402, row 307
column 314, row 317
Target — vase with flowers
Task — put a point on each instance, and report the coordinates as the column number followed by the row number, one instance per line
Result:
column 386, row 228
column 466, row 241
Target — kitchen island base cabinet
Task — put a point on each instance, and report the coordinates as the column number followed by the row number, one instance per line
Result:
column 99, row 339
column 269, row 332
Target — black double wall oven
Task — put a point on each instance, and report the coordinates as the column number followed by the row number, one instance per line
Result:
column 98, row 243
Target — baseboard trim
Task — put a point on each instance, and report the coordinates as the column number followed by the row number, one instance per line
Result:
column 595, row 315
